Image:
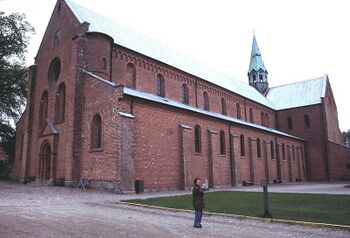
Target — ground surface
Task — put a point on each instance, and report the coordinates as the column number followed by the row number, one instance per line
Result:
column 34, row 211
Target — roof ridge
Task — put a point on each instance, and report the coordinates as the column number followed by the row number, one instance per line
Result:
column 302, row 81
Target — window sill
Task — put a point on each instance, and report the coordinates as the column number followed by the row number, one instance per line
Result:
column 242, row 156
column 197, row 153
column 96, row 150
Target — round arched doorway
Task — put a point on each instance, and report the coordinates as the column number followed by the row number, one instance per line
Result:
column 45, row 166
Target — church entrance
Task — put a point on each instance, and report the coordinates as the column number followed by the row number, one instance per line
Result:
column 45, row 163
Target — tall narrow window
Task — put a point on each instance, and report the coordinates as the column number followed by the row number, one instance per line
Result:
column 185, row 97
column 197, row 139
column 290, row 123
column 96, row 133
column 43, row 108
column 242, row 145
column 131, row 75
column 262, row 119
column 60, row 103
column 283, row 152
column 160, row 85
column 258, row 147
column 238, row 108
column 205, row 101
column 272, row 150
column 251, row 115
column 223, row 106
column 222, row 143
column 306, row 121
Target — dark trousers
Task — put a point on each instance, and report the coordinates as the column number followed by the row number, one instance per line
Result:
column 197, row 217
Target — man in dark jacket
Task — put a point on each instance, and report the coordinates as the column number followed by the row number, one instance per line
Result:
column 198, row 202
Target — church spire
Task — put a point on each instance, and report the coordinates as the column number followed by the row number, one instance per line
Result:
column 257, row 73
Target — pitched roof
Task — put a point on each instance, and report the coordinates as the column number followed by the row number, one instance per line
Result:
column 304, row 93
column 144, row 45
column 256, row 61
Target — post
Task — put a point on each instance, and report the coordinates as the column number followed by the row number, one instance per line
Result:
column 264, row 183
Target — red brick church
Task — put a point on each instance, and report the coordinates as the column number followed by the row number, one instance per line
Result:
column 109, row 104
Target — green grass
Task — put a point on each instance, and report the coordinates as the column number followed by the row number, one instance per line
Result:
column 332, row 209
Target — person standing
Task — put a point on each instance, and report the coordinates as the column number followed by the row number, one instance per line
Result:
column 198, row 202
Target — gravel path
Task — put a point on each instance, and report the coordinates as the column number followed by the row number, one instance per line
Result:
column 31, row 211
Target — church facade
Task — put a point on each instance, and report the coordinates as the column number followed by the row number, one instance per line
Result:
column 111, row 105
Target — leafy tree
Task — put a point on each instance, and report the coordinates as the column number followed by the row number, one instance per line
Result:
column 346, row 136
column 14, row 39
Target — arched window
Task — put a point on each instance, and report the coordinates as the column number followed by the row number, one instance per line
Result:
column 251, row 115
column 160, row 85
column 43, row 108
column 242, row 145
column 205, row 101
column 223, row 106
column 290, row 123
column 54, row 70
column 60, row 103
column 238, row 107
column 272, row 150
column 96, row 132
column 258, row 147
column 131, row 75
column 262, row 119
column 197, row 139
column 222, row 143
column 306, row 121
column 185, row 97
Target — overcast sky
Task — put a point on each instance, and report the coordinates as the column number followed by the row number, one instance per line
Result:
column 298, row 39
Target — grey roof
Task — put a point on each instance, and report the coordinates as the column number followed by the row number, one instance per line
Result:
column 304, row 93
column 256, row 61
column 142, row 44
column 172, row 103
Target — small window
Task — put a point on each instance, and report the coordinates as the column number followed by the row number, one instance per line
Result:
column 60, row 103
column 223, row 106
column 96, row 134
column 54, row 70
column 222, row 143
column 267, row 120
column 197, row 139
column 160, row 85
column 185, row 97
column 205, row 101
column 258, row 148
column 131, row 75
column 290, row 123
column 262, row 119
column 242, row 145
column 254, row 78
column 306, row 121
column 103, row 63
column 272, row 150
column 251, row 115
column 56, row 38
column 261, row 78
column 238, row 108
column 43, row 108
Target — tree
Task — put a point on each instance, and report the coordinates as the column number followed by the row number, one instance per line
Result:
column 14, row 39
column 346, row 136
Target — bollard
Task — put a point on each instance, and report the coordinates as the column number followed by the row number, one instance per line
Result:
column 264, row 183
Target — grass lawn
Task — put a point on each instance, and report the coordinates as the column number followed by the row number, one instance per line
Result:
column 332, row 209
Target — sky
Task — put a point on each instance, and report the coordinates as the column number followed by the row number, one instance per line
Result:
column 298, row 39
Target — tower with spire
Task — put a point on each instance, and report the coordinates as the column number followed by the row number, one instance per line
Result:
column 257, row 73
